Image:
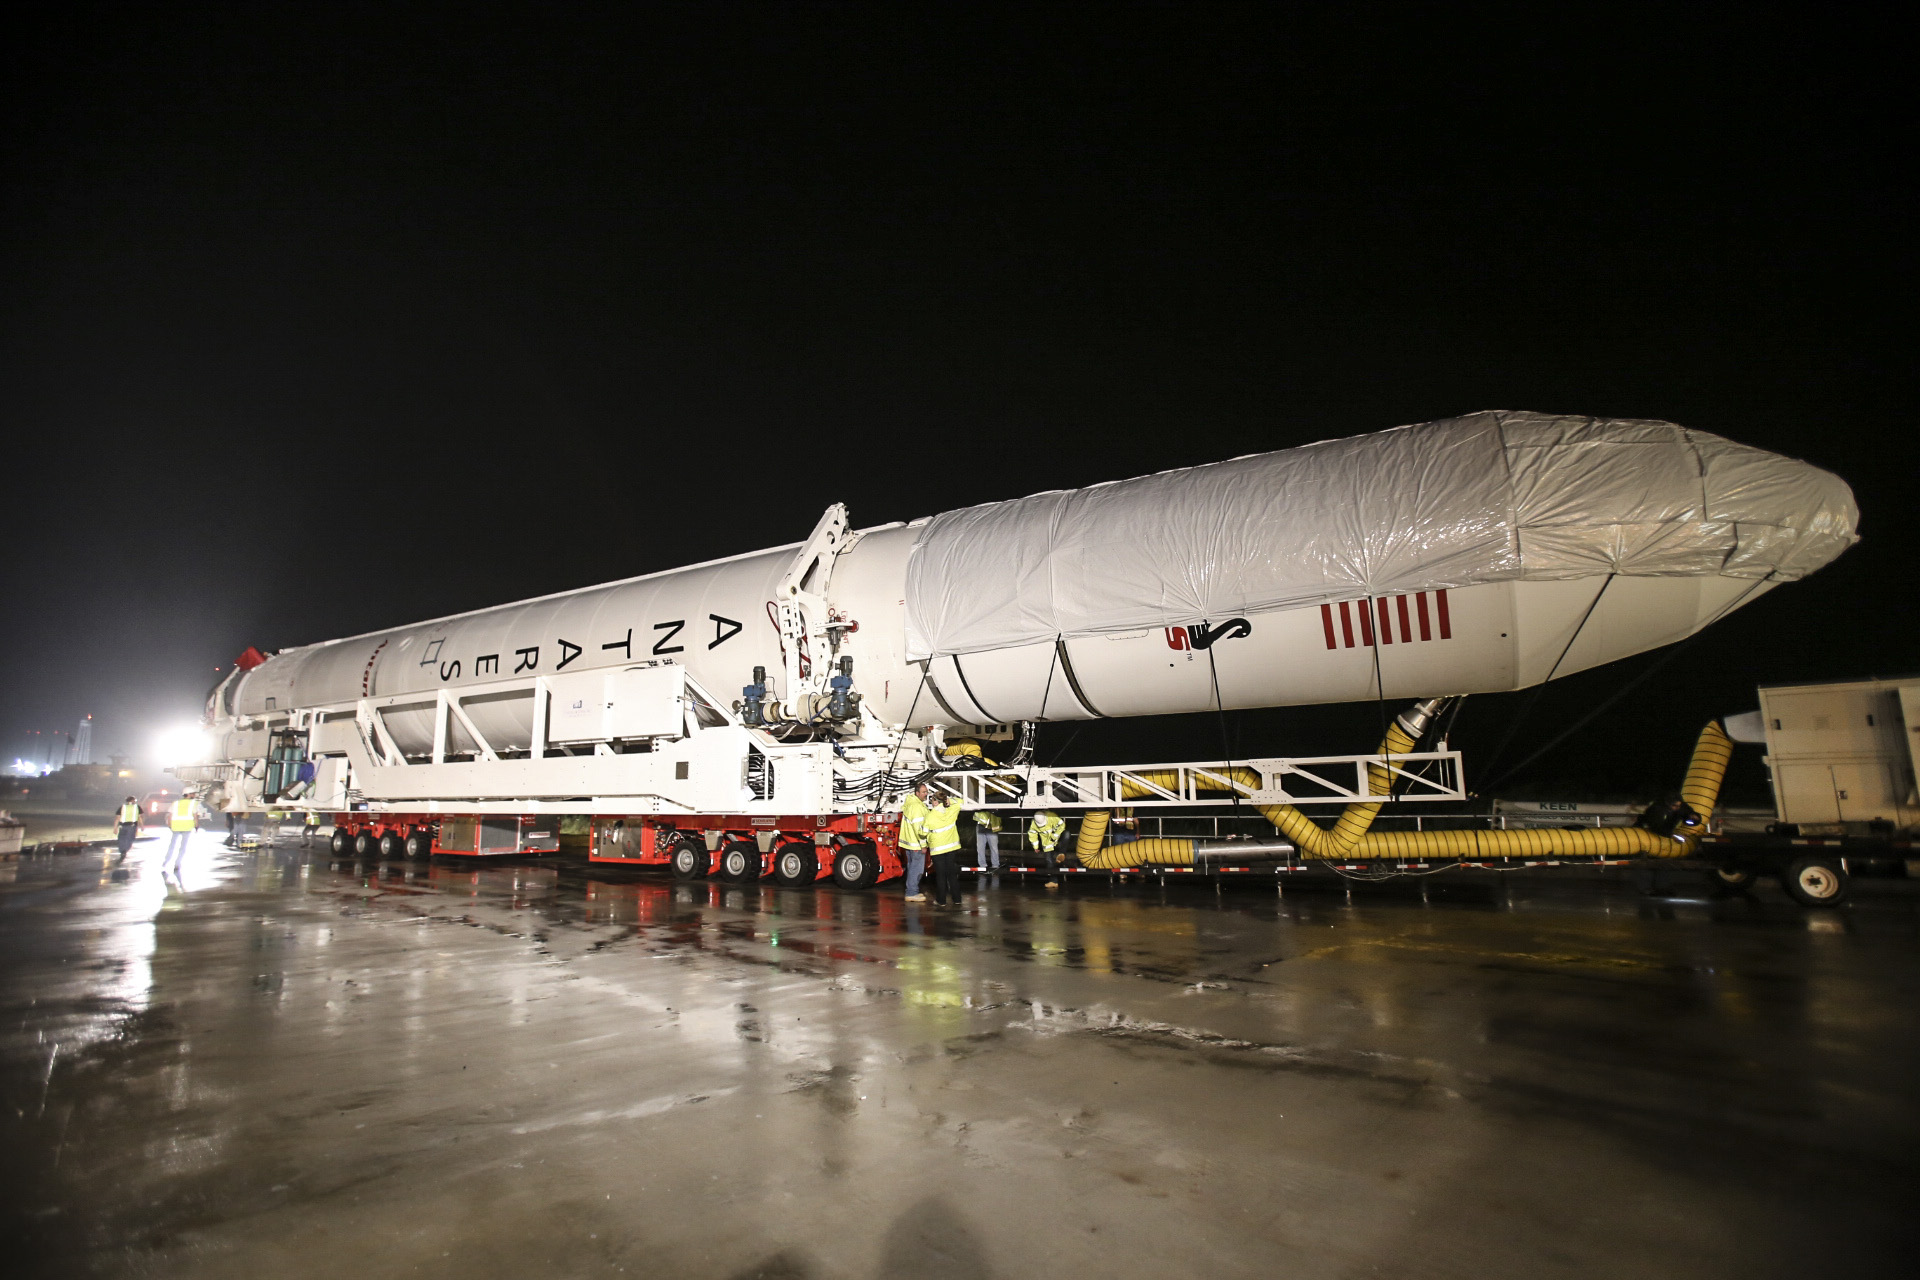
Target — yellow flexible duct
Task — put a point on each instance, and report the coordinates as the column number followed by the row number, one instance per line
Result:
column 1347, row 830
column 1349, row 838
column 1093, row 851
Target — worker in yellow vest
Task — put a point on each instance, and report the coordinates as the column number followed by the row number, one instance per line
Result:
column 182, row 820
column 1044, row 832
column 986, row 839
column 128, row 826
column 943, row 847
column 913, row 840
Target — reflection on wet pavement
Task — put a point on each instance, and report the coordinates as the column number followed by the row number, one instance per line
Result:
column 283, row 1063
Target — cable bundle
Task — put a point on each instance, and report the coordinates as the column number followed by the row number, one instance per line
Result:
column 883, row 787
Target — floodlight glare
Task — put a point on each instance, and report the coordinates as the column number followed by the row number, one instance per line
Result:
column 183, row 744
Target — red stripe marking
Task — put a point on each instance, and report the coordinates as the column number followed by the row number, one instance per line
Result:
column 1386, row 622
column 1366, row 623
column 1346, row 623
column 1406, row 627
column 1326, row 622
column 1446, row 623
column 1426, row 632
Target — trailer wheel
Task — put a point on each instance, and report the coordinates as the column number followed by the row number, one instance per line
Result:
column 796, row 864
column 689, row 860
column 1729, row 879
column 856, row 866
column 419, row 842
column 392, row 844
column 1815, row 882
column 364, row 844
column 340, row 841
column 740, row 860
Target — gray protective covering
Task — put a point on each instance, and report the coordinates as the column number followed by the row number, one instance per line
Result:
column 1488, row 497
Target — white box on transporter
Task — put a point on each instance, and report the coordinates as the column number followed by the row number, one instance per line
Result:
column 1842, row 754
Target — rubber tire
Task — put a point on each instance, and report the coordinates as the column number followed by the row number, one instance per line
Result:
column 419, row 843
column 1729, row 879
column 393, row 845
column 1815, row 882
column 746, row 854
column 856, row 865
column 796, row 864
column 689, row 860
column 365, row 845
column 340, row 842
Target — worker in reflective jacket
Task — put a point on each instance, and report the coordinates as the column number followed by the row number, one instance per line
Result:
column 181, row 821
column 943, row 847
column 986, row 839
column 129, row 825
column 1044, row 832
column 913, row 840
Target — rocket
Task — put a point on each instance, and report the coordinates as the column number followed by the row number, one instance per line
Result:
column 1474, row 554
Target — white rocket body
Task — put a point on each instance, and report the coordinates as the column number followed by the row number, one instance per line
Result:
column 1186, row 591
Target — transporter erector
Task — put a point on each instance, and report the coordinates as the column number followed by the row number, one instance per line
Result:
column 799, row 690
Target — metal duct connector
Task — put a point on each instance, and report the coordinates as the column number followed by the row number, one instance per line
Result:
column 1415, row 719
column 1240, row 851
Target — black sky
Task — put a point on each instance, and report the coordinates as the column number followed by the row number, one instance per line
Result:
column 347, row 316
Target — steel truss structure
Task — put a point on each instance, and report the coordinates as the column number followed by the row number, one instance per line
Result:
column 1423, row 776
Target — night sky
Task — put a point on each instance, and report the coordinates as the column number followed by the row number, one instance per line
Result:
column 347, row 316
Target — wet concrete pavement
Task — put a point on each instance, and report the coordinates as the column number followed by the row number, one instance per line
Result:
column 283, row 1064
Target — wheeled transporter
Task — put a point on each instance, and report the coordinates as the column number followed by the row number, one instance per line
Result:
column 1483, row 553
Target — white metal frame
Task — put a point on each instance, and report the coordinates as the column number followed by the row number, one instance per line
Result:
column 1417, row 777
column 802, row 607
column 586, row 775
column 449, row 709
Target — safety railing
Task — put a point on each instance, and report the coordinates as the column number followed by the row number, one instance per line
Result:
column 1417, row 777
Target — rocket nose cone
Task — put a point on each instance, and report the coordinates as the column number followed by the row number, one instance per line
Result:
column 1789, row 517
